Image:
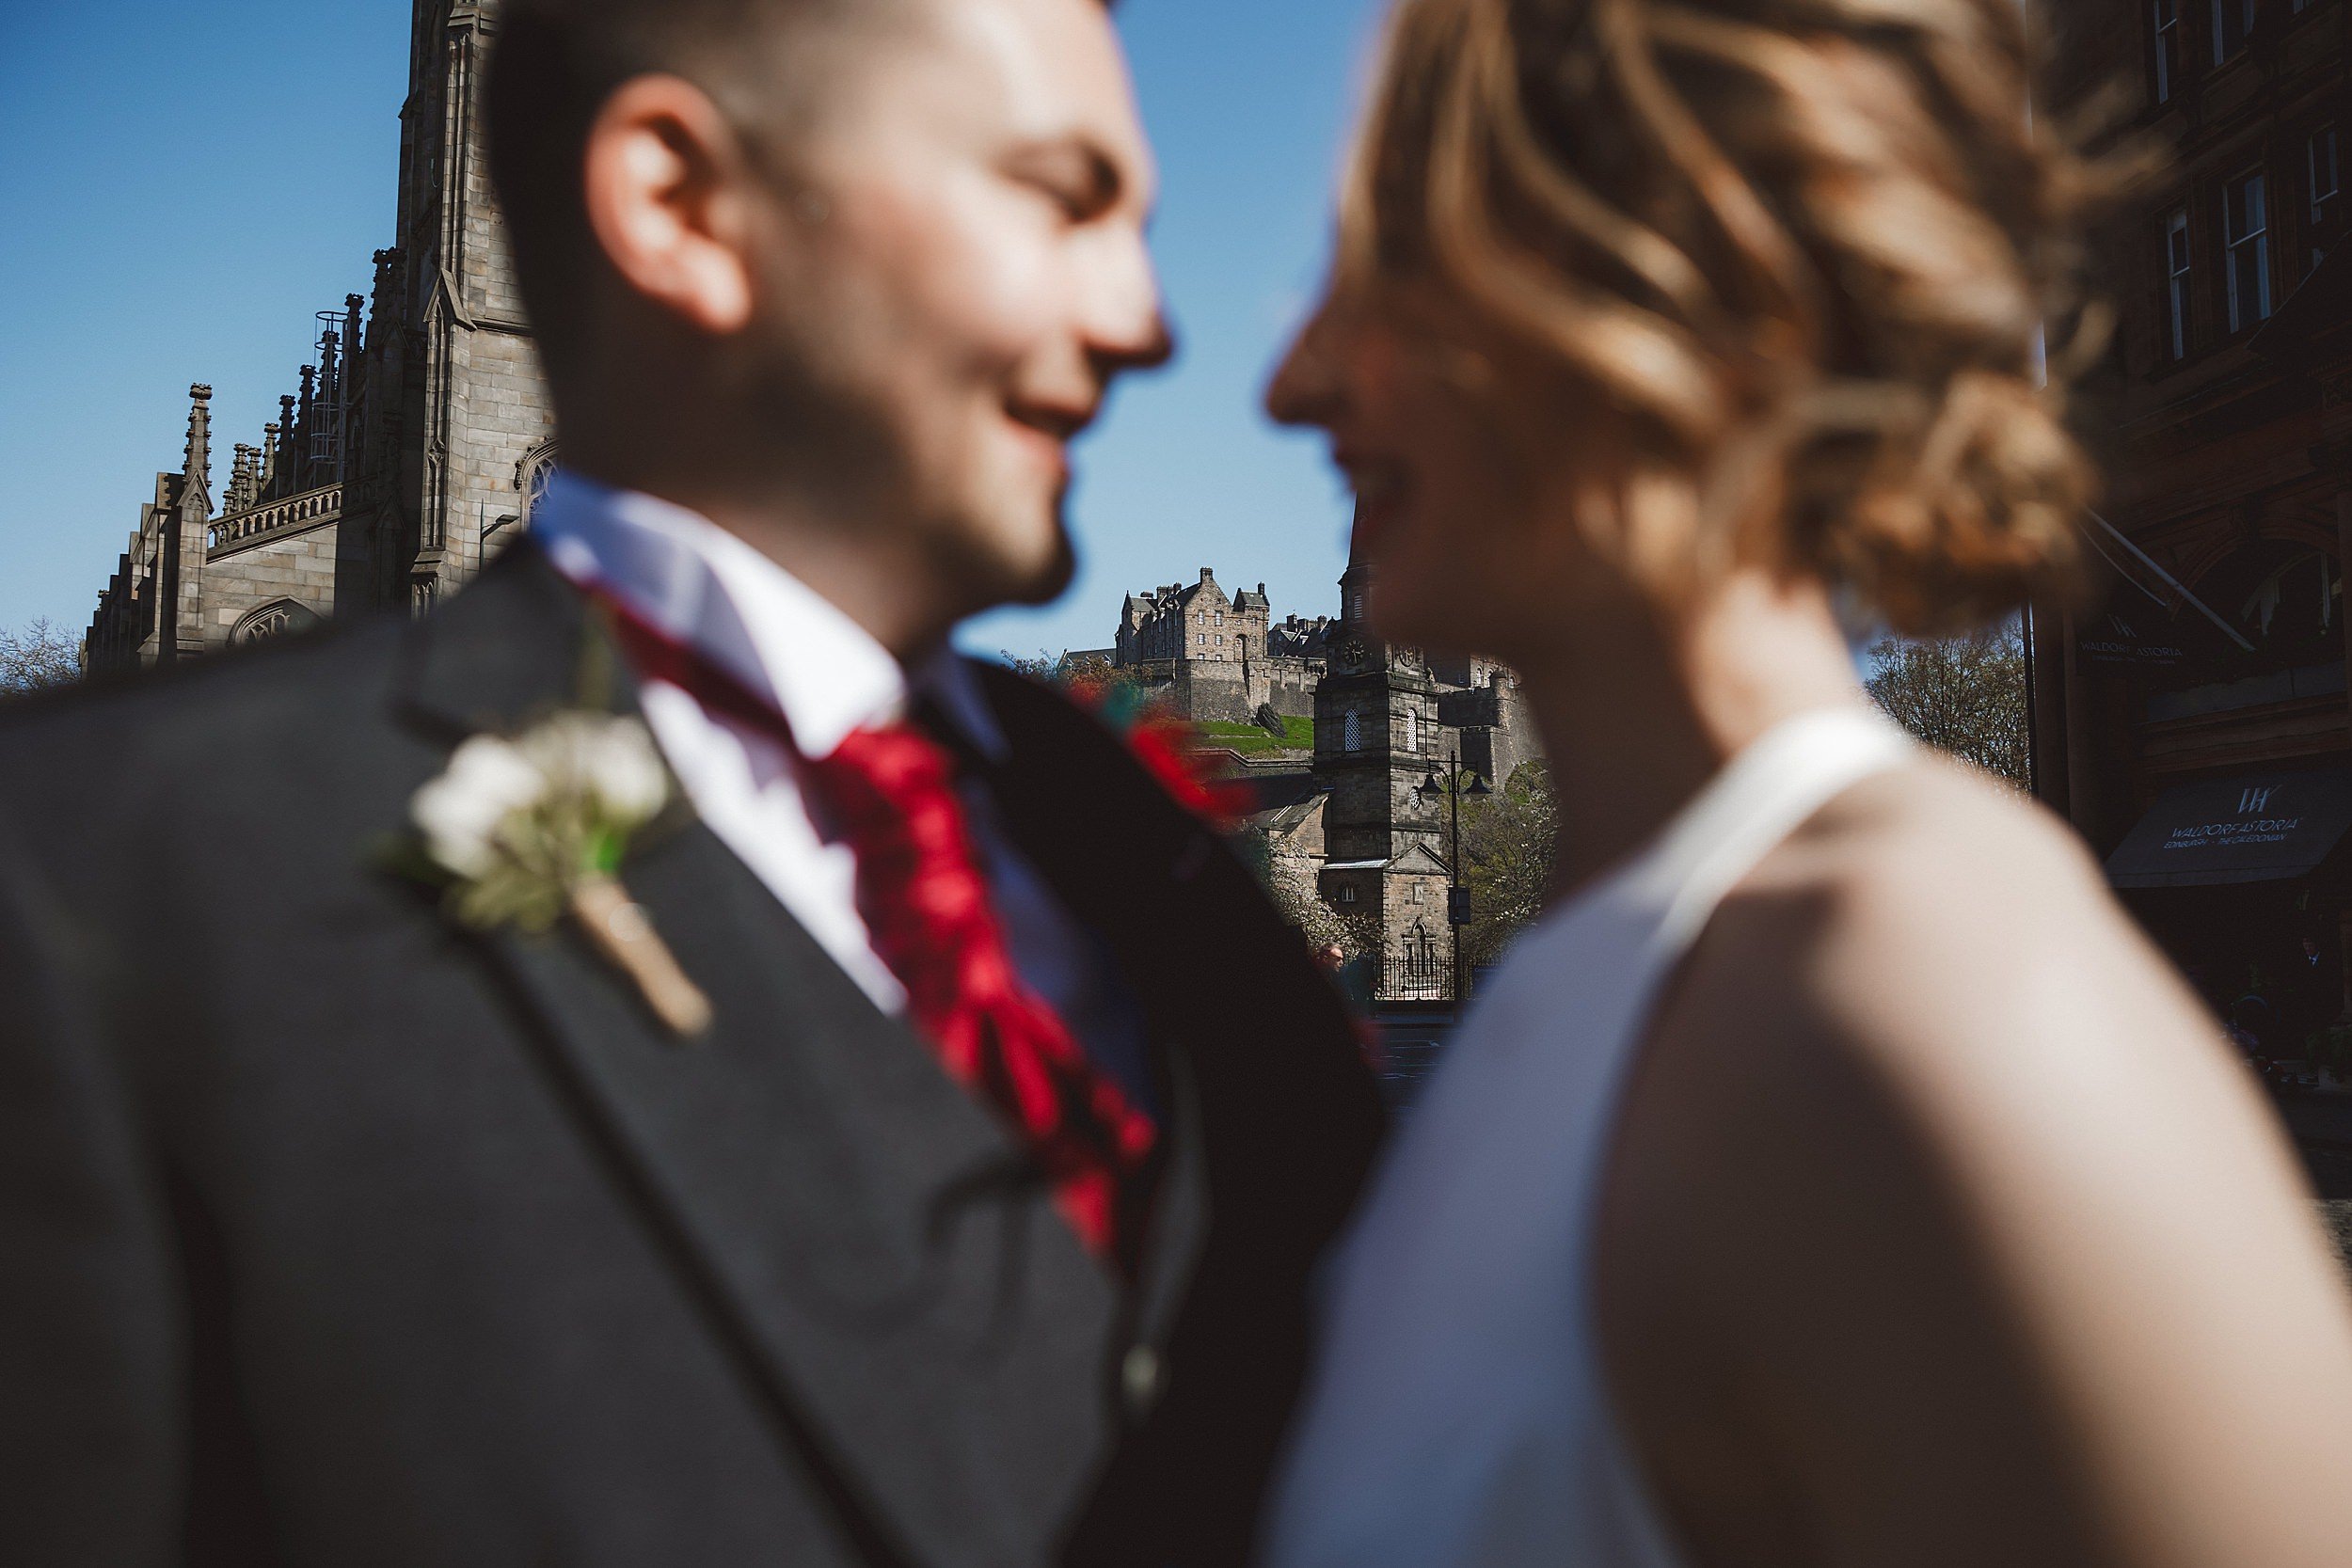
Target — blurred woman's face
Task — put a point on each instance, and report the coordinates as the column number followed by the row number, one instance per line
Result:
column 1463, row 474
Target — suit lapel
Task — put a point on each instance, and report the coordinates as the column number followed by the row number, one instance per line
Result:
column 866, row 1237
column 1173, row 904
column 1277, row 1120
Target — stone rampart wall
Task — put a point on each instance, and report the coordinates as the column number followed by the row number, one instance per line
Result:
column 1211, row 692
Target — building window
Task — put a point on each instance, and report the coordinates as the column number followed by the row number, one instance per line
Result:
column 2246, row 234
column 1412, row 730
column 1413, row 893
column 533, row 476
column 281, row 619
column 2177, row 281
column 1200, row 639
column 1352, row 733
column 2326, row 187
column 2232, row 21
column 2168, row 15
column 1347, row 893
column 1220, row 617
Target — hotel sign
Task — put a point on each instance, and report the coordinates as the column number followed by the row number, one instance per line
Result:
column 2249, row 829
column 2116, row 643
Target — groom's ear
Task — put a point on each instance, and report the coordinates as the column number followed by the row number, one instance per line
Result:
column 669, row 201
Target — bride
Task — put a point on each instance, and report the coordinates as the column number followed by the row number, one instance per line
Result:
column 1834, row 1175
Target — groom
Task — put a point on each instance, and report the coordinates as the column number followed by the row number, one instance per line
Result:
column 923, row 1164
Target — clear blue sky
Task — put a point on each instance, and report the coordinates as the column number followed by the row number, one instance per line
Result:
column 185, row 181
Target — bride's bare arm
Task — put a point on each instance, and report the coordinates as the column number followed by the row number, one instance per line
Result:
column 1944, row 1230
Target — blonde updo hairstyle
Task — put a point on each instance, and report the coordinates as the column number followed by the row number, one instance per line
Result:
column 1806, row 250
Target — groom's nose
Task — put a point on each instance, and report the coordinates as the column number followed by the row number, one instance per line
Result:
column 1124, row 323
column 1304, row 387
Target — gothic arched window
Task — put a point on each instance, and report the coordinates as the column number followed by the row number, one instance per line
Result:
column 280, row 618
column 532, row 476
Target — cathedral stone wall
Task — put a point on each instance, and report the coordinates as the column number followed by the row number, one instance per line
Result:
column 487, row 408
column 498, row 417
column 298, row 572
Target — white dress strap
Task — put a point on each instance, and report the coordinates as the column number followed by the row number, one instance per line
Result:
column 1762, row 796
column 1457, row 1416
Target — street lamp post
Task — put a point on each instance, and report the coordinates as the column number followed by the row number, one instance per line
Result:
column 1457, row 909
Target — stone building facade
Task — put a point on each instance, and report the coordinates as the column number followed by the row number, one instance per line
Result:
column 1196, row 623
column 410, row 454
column 1215, row 657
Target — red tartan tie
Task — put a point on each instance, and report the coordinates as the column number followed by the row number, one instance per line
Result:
column 890, row 795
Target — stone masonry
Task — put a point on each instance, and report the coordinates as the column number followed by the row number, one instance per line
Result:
column 419, row 436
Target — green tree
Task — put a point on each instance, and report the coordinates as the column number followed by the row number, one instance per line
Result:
column 1090, row 678
column 1509, row 841
column 37, row 658
column 1964, row 695
column 1044, row 668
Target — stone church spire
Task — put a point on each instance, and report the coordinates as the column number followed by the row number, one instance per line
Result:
column 1355, row 582
column 196, row 465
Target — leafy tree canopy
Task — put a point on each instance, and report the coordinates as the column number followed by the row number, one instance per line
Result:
column 1509, row 840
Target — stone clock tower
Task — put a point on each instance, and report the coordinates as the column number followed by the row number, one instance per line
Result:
column 1377, row 739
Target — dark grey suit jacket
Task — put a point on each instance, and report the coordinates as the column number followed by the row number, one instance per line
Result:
column 330, row 1234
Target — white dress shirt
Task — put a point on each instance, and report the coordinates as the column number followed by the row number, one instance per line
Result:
column 827, row 677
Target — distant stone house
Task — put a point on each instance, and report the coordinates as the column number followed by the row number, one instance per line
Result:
column 1206, row 653
column 1194, row 624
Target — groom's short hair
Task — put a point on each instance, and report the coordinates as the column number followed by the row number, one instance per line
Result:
column 555, row 63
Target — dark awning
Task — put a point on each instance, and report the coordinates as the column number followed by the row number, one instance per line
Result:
column 2253, row 828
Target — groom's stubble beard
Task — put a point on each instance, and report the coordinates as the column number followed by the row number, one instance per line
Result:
column 842, row 456
column 876, row 427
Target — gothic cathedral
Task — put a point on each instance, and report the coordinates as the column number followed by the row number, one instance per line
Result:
column 408, row 456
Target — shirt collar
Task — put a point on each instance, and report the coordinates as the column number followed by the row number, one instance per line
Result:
column 716, row 594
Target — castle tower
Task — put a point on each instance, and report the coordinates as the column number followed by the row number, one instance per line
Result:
column 1377, row 739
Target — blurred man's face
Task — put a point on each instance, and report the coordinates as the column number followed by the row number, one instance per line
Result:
column 958, row 272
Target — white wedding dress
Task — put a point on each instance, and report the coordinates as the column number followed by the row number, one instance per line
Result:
column 1456, row 1414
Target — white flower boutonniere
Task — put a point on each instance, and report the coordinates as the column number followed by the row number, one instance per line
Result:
column 522, row 830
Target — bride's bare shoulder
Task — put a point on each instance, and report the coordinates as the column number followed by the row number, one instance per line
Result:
column 1935, row 905
column 1927, row 1117
column 1940, row 954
